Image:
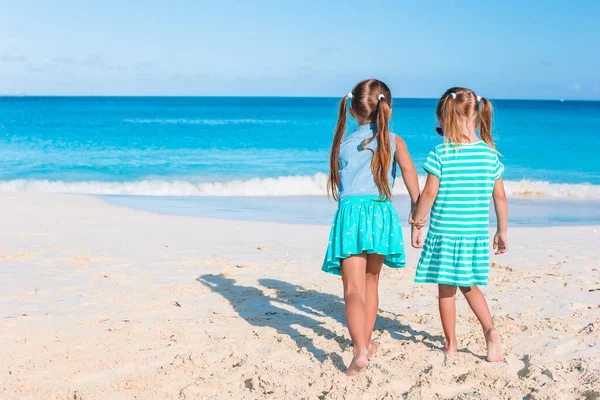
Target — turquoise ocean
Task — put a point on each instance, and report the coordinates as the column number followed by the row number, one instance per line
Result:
column 259, row 158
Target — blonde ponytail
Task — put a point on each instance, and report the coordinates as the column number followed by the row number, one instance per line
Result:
column 333, row 182
column 449, row 118
column 382, row 158
column 486, row 111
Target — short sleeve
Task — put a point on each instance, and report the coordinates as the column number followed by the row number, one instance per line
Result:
column 433, row 164
column 498, row 169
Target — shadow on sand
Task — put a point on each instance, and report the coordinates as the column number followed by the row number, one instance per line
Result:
column 259, row 310
column 325, row 304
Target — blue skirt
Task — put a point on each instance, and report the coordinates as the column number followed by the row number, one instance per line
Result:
column 362, row 224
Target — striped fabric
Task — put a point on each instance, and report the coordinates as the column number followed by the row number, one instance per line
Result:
column 456, row 250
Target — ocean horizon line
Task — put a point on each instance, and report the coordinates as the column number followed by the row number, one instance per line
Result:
column 133, row 96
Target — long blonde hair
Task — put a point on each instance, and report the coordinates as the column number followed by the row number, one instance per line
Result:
column 366, row 105
column 458, row 104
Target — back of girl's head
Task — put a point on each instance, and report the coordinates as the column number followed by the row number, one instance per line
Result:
column 365, row 99
column 370, row 102
column 459, row 107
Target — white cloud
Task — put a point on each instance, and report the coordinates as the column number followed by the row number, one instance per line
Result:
column 575, row 86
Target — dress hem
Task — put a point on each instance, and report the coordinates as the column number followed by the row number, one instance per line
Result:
column 334, row 267
column 461, row 284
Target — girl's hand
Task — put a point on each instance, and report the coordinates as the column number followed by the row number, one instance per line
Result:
column 501, row 242
column 415, row 237
column 419, row 224
column 426, row 200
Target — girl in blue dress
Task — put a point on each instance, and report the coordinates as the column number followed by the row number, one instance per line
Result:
column 366, row 231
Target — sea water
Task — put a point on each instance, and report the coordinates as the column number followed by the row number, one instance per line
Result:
column 267, row 158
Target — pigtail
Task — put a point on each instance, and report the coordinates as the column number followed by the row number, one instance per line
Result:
column 485, row 122
column 382, row 157
column 333, row 182
column 449, row 119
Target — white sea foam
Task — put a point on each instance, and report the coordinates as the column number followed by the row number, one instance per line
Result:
column 185, row 121
column 281, row 186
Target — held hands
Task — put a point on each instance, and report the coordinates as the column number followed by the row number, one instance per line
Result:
column 419, row 224
column 501, row 242
column 415, row 230
column 416, row 237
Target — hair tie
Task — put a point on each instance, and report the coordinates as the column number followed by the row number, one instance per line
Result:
column 381, row 96
column 349, row 95
column 453, row 95
column 478, row 99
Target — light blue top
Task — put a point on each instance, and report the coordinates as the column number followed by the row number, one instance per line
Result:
column 356, row 175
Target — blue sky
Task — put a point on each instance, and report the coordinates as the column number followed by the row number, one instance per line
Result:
column 502, row 49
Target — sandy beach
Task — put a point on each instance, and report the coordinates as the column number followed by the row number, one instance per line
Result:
column 101, row 302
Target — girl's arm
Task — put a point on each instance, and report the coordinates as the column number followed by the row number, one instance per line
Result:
column 427, row 198
column 501, row 207
column 409, row 173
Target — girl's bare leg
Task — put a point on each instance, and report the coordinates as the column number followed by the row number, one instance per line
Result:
column 477, row 302
column 447, row 304
column 353, row 276
column 374, row 263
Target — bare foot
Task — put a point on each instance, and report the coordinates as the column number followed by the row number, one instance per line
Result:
column 359, row 362
column 449, row 353
column 372, row 350
column 450, row 349
column 494, row 346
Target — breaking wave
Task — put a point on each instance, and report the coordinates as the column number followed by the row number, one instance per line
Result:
column 280, row 186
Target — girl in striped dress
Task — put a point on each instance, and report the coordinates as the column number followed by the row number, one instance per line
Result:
column 464, row 173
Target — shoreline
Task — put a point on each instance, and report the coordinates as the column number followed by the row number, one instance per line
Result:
column 319, row 210
column 99, row 301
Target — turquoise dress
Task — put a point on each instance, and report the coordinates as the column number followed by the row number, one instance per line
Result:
column 363, row 223
column 457, row 248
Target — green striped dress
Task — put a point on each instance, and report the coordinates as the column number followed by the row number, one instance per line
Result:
column 456, row 249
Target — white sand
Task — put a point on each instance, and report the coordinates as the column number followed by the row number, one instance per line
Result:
column 98, row 302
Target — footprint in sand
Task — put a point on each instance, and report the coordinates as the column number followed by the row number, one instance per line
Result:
column 525, row 371
column 568, row 347
column 515, row 366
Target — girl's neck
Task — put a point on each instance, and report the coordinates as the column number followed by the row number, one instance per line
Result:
column 364, row 122
column 472, row 138
column 470, row 135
